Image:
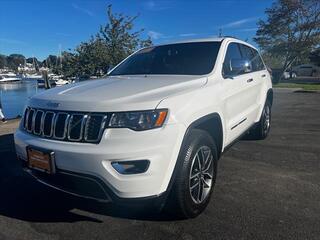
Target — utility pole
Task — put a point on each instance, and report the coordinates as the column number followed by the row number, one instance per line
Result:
column 220, row 32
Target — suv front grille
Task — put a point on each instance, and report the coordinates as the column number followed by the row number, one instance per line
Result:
column 65, row 126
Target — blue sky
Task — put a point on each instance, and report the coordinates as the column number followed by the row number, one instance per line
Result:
column 39, row 28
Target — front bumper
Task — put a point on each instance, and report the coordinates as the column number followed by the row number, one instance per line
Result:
column 159, row 146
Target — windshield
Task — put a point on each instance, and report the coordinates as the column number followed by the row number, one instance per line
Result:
column 195, row 58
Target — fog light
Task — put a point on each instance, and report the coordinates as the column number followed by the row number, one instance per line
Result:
column 131, row 167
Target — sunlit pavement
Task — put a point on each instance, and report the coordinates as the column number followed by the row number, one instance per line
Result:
column 266, row 189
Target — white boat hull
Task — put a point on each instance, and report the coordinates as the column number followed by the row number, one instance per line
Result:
column 8, row 80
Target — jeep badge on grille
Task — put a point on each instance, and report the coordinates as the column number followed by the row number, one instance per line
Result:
column 53, row 104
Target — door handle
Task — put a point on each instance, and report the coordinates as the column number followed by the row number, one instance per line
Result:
column 249, row 80
column 263, row 75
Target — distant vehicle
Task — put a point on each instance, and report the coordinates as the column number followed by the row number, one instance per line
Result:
column 153, row 130
column 9, row 77
column 289, row 74
column 306, row 70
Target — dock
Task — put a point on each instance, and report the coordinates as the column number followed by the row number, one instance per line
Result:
column 9, row 127
column 6, row 137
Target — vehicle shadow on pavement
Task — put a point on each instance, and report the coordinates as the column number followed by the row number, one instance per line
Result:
column 23, row 198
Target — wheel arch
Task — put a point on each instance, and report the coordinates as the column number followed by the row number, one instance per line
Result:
column 212, row 124
column 202, row 123
column 270, row 96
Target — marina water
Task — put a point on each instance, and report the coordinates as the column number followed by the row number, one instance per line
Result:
column 14, row 96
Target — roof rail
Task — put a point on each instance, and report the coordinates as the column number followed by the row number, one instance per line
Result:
column 231, row 37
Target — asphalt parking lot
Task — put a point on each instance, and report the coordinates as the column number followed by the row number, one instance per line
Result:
column 266, row 189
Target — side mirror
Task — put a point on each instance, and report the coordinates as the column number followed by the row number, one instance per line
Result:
column 238, row 66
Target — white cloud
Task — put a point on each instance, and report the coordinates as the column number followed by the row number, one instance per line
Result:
column 157, row 6
column 155, row 35
column 239, row 22
column 150, row 5
column 12, row 41
column 86, row 11
column 187, row 34
column 248, row 29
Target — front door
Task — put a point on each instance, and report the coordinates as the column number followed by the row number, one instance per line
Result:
column 239, row 96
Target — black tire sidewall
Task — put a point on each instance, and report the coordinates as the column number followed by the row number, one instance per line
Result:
column 262, row 132
column 196, row 139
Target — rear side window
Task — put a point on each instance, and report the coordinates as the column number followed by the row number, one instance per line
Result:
column 253, row 56
column 233, row 52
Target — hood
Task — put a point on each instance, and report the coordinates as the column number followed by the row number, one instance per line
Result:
column 116, row 93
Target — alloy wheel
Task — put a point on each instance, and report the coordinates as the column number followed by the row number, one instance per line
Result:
column 201, row 174
column 267, row 119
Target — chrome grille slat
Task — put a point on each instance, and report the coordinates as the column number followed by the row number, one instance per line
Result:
column 35, row 131
column 83, row 123
column 71, row 126
column 48, row 123
column 30, row 120
column 33, row 120
column 25, row 118
column 42, row 123
column 64, row 125
column 100, row 130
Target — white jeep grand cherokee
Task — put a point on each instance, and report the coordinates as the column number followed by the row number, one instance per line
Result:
column 152, row 130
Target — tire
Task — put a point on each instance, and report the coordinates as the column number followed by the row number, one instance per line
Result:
column 192, row 189
column 261, row 130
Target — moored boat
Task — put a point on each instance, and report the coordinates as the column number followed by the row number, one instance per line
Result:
column 61, row 82
column 32, row 77
column 9, row 77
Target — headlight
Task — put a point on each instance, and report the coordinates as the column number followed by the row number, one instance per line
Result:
column 139, row 121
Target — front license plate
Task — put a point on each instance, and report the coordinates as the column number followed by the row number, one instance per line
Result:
column 41, row 160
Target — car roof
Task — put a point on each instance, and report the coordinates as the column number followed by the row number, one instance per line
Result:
column 210, row 39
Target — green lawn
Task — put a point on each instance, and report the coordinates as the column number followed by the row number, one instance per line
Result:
column 304, row 86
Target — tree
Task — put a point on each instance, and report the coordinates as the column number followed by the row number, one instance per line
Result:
column 35, row 62
column 119, row 37
column 271, row 61
column 51, row 61
column 70, row 62
column 92, row 57
column 291, row 31
column 3, row 61
column 14, row 61
column 114, row 42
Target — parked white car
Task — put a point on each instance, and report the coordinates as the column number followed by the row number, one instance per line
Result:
column 306, row 70
column 154, row 129
column 288, row 75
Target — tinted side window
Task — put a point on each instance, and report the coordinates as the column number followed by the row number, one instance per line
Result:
column 233, row 52
column 253, row 56
column 257, row 61
column 247, row 54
